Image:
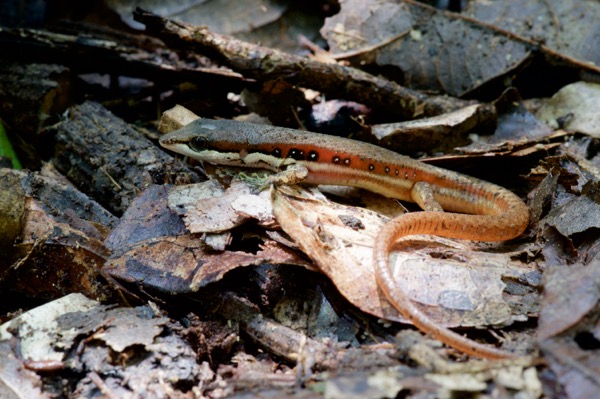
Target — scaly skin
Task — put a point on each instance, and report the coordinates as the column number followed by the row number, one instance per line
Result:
column 487, row 212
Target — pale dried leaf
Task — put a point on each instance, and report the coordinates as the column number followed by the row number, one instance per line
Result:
column 209, row 208
column 38, row 329
column 462, row 287
column 256, row 207
column 576, row 105
column 127, row 327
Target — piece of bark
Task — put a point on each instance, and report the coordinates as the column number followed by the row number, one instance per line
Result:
column 266, row 64
column 108, row 52
column 108, row 159
column 29, row 95
column 52, row 238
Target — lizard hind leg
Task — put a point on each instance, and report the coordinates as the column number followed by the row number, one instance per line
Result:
column 422, row 194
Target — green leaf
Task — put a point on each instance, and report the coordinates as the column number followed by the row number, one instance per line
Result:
column 6, row 149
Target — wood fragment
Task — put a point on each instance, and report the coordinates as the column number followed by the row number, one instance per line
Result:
column 265, row 64
column 108, row 159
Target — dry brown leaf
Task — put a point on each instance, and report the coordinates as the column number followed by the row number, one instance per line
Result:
column 338, row 238
column 183, row 264
column 148, row 217
column 458, row 53
column 152, row 246
column 576, row 370
column 462, row 287
column 516, row 127
column 570, row 294
column 569, row 332
column 567, row 27
column 432, row 50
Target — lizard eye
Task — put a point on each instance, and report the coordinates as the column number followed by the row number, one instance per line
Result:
column 198, row 143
